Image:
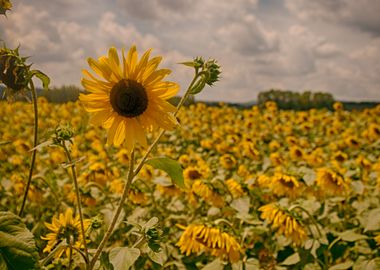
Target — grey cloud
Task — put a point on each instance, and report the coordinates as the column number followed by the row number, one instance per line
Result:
column 249, row 37
column 255, row 52
column 360, row 14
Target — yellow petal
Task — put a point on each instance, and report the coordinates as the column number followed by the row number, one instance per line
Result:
column 98, row 118
column 141, row 65
column 120, row 132
column 132, row 61
column 150, row 67
column 99, row 68
column 94, row 86
column 156, row 76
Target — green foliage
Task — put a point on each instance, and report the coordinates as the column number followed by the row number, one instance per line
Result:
column 17, row 247
column 62, row 94
column 289, row 100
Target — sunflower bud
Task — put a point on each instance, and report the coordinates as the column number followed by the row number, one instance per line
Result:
column 62, row 134
column 206, row 72
column 5, row 5
column 14, row 73
column 212, row 70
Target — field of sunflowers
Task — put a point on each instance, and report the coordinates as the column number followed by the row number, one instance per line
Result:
column 263, row 189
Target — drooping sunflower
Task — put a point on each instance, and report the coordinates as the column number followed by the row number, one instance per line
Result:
column 128, row 97
column 285, row 185
column 198, row 238
column 331, row 182
column 284, row 223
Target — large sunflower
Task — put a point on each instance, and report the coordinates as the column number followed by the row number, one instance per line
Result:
column 128, row 97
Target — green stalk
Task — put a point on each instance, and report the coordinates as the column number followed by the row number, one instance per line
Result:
column 35, row 143
column 79, row 201
column 118, row 211
column 70, row 255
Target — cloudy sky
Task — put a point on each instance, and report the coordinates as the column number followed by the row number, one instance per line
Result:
column 320, row 45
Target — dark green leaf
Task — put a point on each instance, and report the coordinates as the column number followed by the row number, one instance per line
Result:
column 105, row 261
column 17, row 247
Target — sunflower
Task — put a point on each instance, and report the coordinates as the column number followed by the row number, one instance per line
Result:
column 198, row 238
column 331, row 182
column 65, row 227
column 235, row 188
column 284, row 222
column 285, row 185
column 207, row 193
column 128, row 97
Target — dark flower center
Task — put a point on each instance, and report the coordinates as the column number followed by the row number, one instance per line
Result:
column 128, row 98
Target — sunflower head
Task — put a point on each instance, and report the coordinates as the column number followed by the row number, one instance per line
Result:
column 14, row 73
column 128, row 96
column 207, row 72
column 5, row 5
column 199, row 238
column 284, row 222
column 65, row 227
column 63, row 133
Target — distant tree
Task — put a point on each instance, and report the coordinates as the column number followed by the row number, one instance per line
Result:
column 62, row 94
column 291, row 100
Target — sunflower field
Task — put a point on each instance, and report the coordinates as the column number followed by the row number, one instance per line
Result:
column 263, row 189
column 123, row 179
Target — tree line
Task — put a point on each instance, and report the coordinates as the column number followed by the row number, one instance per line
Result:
column 290, row 100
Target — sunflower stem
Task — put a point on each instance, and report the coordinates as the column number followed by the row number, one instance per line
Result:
column 186, row 95
column 117, row 213
column 35, row 143
column 309, row 215
column 132, row 173
column 70, row 256
column 79, row 201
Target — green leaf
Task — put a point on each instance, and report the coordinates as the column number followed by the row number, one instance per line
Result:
column 122, row 258
column 150, row 224
column 292, row 259
column 43, row 77
column 351, row 236
column 252, row 264
column 158, row 257
column 188, row 64
column 105, row 261
column 171, row 167
column 42, row 145
column 216, row 264
column 358, row 187
column 342, row 266
column 17, row 247
column 241, row 205
column 363, row 264
column 372, row 220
